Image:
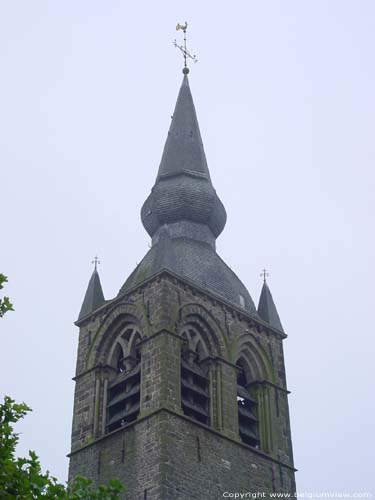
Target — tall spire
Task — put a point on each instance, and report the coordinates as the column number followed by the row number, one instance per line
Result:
column 267, row 309
column 183, row 190
column 94, row 297
column 183, row 150
column 184, row 215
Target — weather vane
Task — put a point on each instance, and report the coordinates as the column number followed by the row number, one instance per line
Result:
column 264, row 274
column 96, row 261
column 183, row 47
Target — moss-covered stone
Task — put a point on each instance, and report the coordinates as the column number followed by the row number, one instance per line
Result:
column 165, row 455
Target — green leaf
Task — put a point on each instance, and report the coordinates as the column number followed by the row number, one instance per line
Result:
column 23, row 479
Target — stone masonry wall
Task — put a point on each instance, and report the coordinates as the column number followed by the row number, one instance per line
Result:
column 132, row 455
column 165, row 455
column 168, row 457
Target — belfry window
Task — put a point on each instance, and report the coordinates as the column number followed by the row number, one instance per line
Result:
column 123, row 401
column 247, row 407
column 194, row 378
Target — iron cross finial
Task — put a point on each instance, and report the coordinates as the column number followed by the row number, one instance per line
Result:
column 264, row 274
column 96, row 261
column 183, row 48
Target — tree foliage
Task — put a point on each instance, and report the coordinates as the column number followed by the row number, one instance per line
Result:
column 23, row 479
column 5, row 304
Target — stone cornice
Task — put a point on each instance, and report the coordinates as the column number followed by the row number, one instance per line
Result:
column 99, row 368
column 215, row 298
column 188, row 419
column 267, row 382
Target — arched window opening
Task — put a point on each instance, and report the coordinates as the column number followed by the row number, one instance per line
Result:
column 247, row 407
column 194, row 377
column 123, row 401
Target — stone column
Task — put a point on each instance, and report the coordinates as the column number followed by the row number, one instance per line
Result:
column 97, row 404
column 105, row 398
column 226, row 393
column 209, row 365
column 161, row 372
column 262, row 392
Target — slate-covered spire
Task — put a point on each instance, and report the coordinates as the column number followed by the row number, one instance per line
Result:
column 184, row 215
column 183, row 150
column 94, row 297
column 267, row 309
column 183, row 190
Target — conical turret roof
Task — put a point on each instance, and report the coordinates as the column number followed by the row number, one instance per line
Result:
column 267, row 309
column 94, row 297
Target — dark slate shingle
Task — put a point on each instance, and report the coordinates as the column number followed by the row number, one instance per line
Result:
column 267, row 309
column 184, row 215
column 94, row 297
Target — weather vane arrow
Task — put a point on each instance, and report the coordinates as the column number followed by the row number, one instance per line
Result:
column 186, row 54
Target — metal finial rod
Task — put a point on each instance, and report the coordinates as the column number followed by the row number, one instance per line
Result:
column 264, row 274
column 185, row 45
column 96, row 261
column 186, row 54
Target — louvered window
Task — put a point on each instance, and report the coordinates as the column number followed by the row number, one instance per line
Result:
column 123, row 398
column 194, row 379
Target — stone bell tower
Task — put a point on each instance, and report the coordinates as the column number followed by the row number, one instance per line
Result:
column 180, row 381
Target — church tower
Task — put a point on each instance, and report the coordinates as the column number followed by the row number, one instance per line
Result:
column 180, row 380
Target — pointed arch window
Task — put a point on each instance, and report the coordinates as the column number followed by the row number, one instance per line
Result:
column 195, row 398
column 123, row 399
column 247, row 406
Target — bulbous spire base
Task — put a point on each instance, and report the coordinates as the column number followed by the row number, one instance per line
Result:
column 184, row 215
column 183, row 189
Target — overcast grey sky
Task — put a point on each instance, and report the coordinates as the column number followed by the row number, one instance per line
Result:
column 284, row 92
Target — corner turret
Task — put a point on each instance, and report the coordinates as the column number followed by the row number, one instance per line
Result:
column 267, row 310
column 94, row 297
